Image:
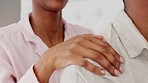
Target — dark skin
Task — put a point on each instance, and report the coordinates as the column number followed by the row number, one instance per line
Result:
column 137, row 10
column 40, row 18
column 46, row 21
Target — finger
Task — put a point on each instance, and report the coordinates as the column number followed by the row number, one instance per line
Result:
column 116, row 55
column 111, row 49
column 99, row 58
column 109, row 56
column 104, row 51
column 95, row 40
column 108, row 66
column 112, row 60
column 87, row 65
column 94, row 69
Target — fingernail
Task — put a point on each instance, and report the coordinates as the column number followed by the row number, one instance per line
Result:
column 121, row 60
column 103, row 72
column 117, row 72
column 121, row 69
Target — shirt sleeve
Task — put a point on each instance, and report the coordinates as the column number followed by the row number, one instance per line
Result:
column 7, row 74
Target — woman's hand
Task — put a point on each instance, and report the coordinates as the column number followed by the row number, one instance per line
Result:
column 75, row 50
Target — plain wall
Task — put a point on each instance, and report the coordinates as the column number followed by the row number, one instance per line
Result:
column 93, row 14
column 9, row 12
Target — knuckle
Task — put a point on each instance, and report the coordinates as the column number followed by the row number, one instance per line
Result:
column 95, row 55
column 92, row 68
column 112, row 59
column 73, row 46
column 79, row 40
column 69, row 52
column 83, row 63
column 105, row 44
column 100, row 59
column 109, row 67
column 104, row 50
column 117, row 64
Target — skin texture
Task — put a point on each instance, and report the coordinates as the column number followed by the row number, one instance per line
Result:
column 138, row 12
column 46, row 21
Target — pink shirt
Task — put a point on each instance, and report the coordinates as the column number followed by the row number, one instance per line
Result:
column 20, row 49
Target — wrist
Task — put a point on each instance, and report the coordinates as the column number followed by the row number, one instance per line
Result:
column 44, row 69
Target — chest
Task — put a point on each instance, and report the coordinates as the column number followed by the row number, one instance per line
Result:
column 136, row 69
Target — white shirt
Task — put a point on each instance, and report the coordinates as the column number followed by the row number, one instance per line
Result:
column 125, row 38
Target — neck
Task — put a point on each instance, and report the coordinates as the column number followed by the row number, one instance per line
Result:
column 138, row 12
column 47, row 25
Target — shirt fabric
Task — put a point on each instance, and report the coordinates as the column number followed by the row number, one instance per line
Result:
column 125, row 38
column 20, row 49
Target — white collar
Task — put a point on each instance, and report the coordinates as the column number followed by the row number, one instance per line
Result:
column 132, row 40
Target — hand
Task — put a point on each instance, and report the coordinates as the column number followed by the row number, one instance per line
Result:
column 75, row 50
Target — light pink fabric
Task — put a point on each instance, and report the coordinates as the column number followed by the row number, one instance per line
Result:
column 20, row 49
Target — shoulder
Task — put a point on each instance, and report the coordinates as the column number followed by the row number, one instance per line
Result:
column 9, row 35
column 9, row 30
